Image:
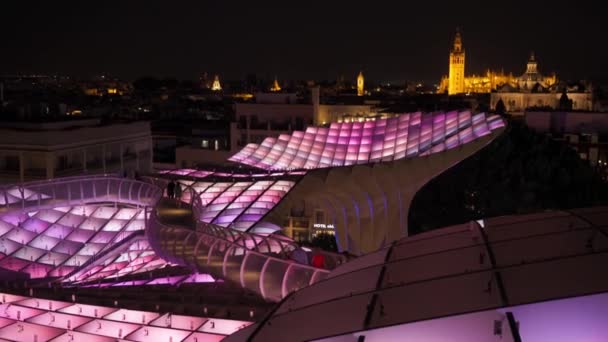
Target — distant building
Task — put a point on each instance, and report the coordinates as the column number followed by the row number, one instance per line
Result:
column 216, row 86
column 456, row 71
column 275, row 85
column 587, row 133
column 32, row 151
column 360, row 84
column 275, row 114
column 105, row 86
column 517, row 100
column 271, row 115
column 456, row 82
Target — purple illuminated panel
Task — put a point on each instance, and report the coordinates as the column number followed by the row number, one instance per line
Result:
column 167, row 280
column 238, row 205
column 406, row 136
column 199, row 278
column 137, row 258
column 53, row 242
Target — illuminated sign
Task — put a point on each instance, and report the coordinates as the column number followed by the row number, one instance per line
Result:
column 323, row 226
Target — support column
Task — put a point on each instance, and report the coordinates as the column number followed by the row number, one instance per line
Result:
column 84, row 160
column 121, row 161
column 103, row 157
column 150, row 156
column 50, row 165
column 136, row 159
column 248, row 129
column 21, row 166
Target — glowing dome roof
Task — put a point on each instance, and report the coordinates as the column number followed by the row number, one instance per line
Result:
column 404, row 136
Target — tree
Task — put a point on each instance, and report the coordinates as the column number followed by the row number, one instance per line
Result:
column 325, row 241
column 500, row 107
column 564, row 102
column 519, row 172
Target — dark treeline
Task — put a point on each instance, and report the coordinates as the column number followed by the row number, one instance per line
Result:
column 520, row 172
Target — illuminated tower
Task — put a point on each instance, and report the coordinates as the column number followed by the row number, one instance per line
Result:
column 456, row 75
column 216, row 84
column 360, row 84
column 275, row 85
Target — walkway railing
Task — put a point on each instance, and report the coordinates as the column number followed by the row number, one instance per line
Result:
column 258, row 267
column 76, row 191
column 271, row 243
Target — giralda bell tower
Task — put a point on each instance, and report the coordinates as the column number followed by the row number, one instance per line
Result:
column 456, row 75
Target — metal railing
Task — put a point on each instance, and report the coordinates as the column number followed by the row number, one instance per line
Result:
column 77, row 191
column 269, row 274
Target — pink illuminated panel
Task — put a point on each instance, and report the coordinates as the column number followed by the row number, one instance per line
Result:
column 10, row 298
column 87, row 310
column 37, row 319
column 18, row 313
column 60, row 320
column 22, row 331
column 73, row 336
column 179, row 322
column 153, row 334
column 223, row 326
column 44, row 304
column 405, row 136
column 132, row 316
column 108, row 328
column 204, row 337
column 5, row 321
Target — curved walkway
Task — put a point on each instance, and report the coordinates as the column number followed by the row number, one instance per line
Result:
column 261, row 264
column 264, row 264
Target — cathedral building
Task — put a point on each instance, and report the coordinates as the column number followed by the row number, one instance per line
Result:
column 456, row 82
column 517, row 93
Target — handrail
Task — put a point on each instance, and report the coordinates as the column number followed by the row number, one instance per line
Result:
column 103, row 254
column 78, row 190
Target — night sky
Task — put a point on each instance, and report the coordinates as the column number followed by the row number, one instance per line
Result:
column 389, row 40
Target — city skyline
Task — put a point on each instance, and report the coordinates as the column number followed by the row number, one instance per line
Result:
column 389, row 42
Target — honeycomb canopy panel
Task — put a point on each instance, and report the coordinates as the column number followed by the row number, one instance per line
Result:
column 38, row 319
column 54, row 242
column 341, row 144
column 237, row 205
